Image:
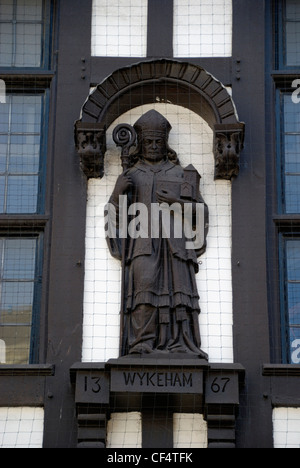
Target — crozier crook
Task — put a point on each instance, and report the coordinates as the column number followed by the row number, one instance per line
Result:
column 124, row 136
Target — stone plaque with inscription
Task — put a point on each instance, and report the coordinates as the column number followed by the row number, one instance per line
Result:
column 159, row 378
column 222, row 384
column 92, row 384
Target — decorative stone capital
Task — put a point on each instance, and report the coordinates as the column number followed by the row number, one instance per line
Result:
column 90, row 139
column 228, row 144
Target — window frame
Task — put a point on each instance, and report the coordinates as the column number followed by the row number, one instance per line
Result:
column 281, row 91
column 44, row 126
column 33, row 355
column 279, row 79
column 40, row 80
column 284, row 237
column 280, row 44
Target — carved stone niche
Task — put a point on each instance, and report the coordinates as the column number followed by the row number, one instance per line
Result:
column 161, row 80
column 90, row 141
column 228, row 144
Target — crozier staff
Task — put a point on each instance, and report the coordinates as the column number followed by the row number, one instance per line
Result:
column 161, row 301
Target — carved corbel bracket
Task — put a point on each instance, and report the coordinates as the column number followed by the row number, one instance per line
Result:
column 228, row 144
column 90, row 139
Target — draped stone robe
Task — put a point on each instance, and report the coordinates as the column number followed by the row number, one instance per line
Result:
column 159, row 285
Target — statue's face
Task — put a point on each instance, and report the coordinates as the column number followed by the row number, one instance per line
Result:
column 154, row 149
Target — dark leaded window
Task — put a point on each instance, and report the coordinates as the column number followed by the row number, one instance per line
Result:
column 290, row 154
column 287, row 207
column 21, row 149
column 25, row 43
column 19, row 292
column 290, row 272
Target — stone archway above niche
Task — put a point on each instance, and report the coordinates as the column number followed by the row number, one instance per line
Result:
column 167, row 81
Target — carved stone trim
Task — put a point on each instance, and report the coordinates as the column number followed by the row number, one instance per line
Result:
column 30, row 370
column 160, row 80
column 90, row 141
column 228, row 143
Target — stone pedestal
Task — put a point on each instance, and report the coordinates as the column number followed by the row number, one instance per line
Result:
column 160, row 387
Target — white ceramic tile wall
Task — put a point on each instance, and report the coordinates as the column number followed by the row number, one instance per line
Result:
column 192, row 138
column 119, row 28
column 189, row 431
column 21, row 427
column 286, row 427
column 124, row 430
column 202, row 28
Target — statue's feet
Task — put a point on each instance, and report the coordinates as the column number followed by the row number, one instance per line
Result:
column 181, row 349
column 141, row 348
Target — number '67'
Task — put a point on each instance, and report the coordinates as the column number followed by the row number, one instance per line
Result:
column 217, row 387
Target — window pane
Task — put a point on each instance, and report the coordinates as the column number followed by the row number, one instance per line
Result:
column 4, row 116
column 293, row 260
column 292, row 43
column 2, row 194
column 17, row 341
column 16, row 303
column 292, row 153
column 6, row 44
column 294, row 303
column 28, row 45
column 26, row 114
column 20, row 146
column 3, row 153
column 22, row 192
column 291, row 115
column 19, row 259
column 29, row 10
column 292, row 194
column 17, row 283
column 24, row 154
column 292, row 32
column 293, row 298
column 6, row 10
column 293, row 10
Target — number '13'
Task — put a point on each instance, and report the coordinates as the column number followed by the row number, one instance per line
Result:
column 95, row 385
